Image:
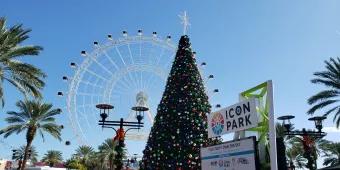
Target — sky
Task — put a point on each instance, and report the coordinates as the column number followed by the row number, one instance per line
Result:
column 244, row 43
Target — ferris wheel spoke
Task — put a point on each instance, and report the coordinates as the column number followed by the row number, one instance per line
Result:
column 126, row 83
column 135, row 75
column 119, row 91
column 110, row 59
column 84, row 115
column 88, row 94
column 121, row 57
column 140, row 58
column 91, row 84
column 95, row 74
column 117, row 68
column 80, row 130
column 160, row 56
column 115, row 64
column 101, row 66
column 152, row 81
column 171, row 59
column 131, row 58
column 157, row 63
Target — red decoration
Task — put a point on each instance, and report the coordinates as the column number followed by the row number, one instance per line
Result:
column 120, row 134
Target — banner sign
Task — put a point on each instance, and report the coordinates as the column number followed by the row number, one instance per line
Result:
column 233, row 155
column 240, row 116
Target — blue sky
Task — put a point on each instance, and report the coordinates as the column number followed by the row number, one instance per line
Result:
column 243, row 42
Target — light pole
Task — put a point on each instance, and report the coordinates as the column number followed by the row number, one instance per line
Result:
column 305, row 134
column 104, row 110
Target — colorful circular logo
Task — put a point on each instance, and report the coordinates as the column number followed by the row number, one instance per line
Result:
column 217, row 123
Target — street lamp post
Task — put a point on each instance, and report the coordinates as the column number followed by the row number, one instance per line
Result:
column 305, row 134
column 104, row 110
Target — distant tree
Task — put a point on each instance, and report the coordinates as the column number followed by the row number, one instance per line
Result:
column 74, row 163
column 107, row 152
column 52, row 157
column 25, row 77
column 329, row 97
column 85, row 154
column 295, row 157
column 308, row 157
column 331, row 153
column 33, row 156
column 34, row 117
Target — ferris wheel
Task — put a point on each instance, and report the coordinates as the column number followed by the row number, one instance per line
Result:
column 125, row 72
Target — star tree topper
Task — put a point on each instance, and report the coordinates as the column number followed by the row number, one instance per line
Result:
column 185, row 22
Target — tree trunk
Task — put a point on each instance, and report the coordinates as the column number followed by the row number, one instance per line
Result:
column 19, row 164
column 29, row 139
column 110, row 164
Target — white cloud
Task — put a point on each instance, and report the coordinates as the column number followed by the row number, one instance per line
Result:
column 331, row 129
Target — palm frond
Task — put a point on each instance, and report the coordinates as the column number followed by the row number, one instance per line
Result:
column 25, row 77
column 9, row 130
column 323, row 95
column 52, row 129
column 14, row 120
column 321, row 105
column 21, row 51
column 21, row 115
column 33, row 114
column 49, row 114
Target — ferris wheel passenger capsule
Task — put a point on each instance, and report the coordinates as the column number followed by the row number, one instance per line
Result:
column 218, row 106
column 216, row 90
column 203, row 64
column 83, row 53
column 211, row 76
column 154, row 34
column 168, row 38
column 125, row 33
column 95, row 43
column 73, row 65
column 140, row 33
column 67, row 143
column 60, row 93
column 65, row 78
column 109, row 36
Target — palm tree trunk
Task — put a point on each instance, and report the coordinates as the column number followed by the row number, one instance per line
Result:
column 23, row 164
column 29, row 139
column 110, row 164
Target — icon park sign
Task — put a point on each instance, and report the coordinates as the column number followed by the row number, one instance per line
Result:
column 254, row 111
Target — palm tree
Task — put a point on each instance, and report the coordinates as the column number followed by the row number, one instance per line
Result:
column 33, row 154
column 331, row 153
column 25, row 77
column 329, row 97
column 298, row 151
column 34, row 117
column 74, row 163
column 85, row 154
column 52, row 157
column 295, row 157
column 107, row 151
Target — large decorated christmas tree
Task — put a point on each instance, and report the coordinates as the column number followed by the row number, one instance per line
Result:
column 180, row 126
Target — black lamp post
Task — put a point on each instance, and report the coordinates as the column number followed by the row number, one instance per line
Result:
column 104, row 110
column 306, row 134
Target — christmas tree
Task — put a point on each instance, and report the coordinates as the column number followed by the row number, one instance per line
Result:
column 180, row 126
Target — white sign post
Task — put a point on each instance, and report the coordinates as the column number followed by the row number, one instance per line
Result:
column 233, row 155
column 240, row 116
